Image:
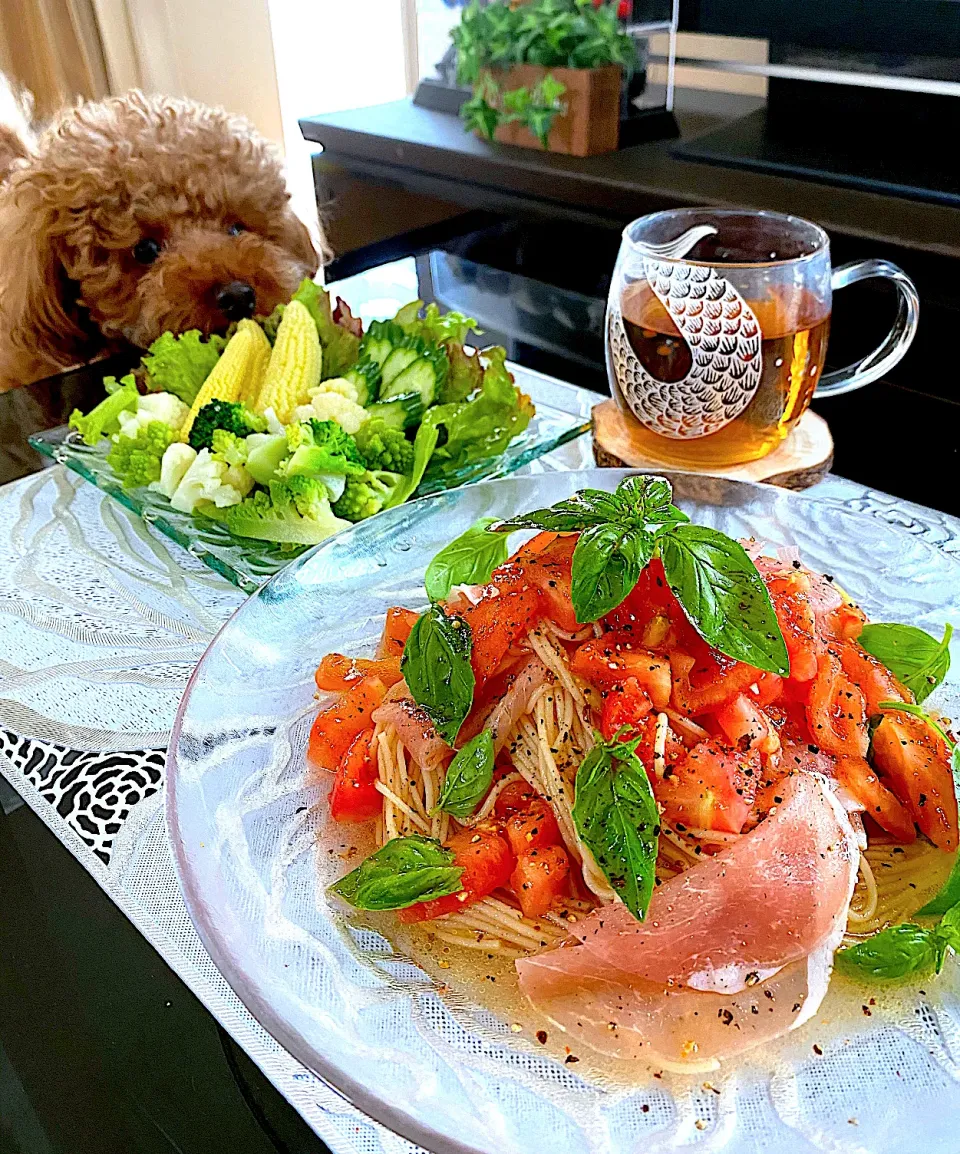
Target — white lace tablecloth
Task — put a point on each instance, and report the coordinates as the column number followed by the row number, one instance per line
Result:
column 101, row 622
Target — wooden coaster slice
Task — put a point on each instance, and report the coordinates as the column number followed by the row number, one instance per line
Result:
column 802, row 460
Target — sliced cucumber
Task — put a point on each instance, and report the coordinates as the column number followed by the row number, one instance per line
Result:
column 365, row 377
column 399, row 412
column 419, row 376
column 394, row 365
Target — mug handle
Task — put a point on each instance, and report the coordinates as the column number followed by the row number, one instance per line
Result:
column 898, row 340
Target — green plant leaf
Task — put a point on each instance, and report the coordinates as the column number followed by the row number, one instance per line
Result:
column 405, row 871
column 723, row 595
column 437, row 670
column 616, row 816
column 607, row 563
column 916, row 659
column 468, row 777
column 892, row 953
column 468, row 560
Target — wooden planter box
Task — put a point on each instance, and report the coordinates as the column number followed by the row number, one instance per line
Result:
column 590, row 125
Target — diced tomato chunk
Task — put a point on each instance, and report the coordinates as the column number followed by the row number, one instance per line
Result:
column 712, row 788
column 396, row 629
column 700, row 685
column 871, row 676
column 769, row 689
column 546, row 564
column 335, row 673
column 540, row 877
column 496, row 622
column 790, row 594
column 613, row 658
column 517, row 797
column 336, row 726
column 745, row 725
column 487, row 862
column 836, row 710
column 883, row 806
column 355, row 796
column 914, row 761
column 536, row 828
column 624, row 707
column 651, row 613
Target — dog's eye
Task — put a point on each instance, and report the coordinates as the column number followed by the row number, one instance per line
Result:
column 146, row 250
column 235, row 229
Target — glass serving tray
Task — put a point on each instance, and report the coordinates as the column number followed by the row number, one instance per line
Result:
column 247, row 563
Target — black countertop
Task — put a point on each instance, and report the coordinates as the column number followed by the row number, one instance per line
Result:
column 430, row 152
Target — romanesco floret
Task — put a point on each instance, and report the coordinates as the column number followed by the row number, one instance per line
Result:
column 365, row 495
column 136, row 460
column 233, row 416
column 229, row 447
column 333, row 407
column 105, row 417
column 385, row 448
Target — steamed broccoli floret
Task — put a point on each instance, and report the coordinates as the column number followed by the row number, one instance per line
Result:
column 232, row 416
column 321, row 447
column 105, row 417
column 367, row 494
column 296, row 512
column 180, row 364
column 233, row 449
column 136, row 460
column 384, row 447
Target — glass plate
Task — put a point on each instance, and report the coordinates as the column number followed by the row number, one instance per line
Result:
column 441, row 1065
column 247, row 563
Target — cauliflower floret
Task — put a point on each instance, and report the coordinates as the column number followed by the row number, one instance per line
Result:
column 163, row 407
column 333, row 407
column 274, row 424
column 176, row 460
column 208, row 479
column 339, row 385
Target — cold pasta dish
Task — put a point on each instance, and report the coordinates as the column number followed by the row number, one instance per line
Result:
column 676, row 778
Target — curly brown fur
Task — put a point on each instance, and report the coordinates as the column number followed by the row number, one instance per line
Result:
column 107, row 175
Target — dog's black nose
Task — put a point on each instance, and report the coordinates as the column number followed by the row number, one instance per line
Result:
column 237, row 300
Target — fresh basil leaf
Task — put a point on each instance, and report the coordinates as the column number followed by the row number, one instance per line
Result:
column 436, row 667
column 607, row 563
column 893, row 953
column 616, row 816
column 915, row 659
column 639, row 502
column 405, row 871
column 648, row 501
column 468, row 560
column 723, row 595
column 468, row 777
column 583, row 509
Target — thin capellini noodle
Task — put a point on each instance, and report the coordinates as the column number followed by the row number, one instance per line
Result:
column 580, row 635
column 869, row 907
column 390, row 796
column 660, row 745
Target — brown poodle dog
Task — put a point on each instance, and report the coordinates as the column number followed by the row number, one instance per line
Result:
column 133, row 216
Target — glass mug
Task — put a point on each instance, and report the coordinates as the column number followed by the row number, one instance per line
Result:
column 715, row 355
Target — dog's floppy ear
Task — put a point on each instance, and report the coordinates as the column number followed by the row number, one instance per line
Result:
column 37, row 334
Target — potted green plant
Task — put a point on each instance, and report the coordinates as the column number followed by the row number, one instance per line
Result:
column 545, row 74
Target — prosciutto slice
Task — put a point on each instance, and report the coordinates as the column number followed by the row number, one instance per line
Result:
column 413, row 725
column 732, row 953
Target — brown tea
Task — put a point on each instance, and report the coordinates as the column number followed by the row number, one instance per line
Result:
column 794, row 327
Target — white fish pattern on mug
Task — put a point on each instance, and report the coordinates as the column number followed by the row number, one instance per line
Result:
column 723, row 335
